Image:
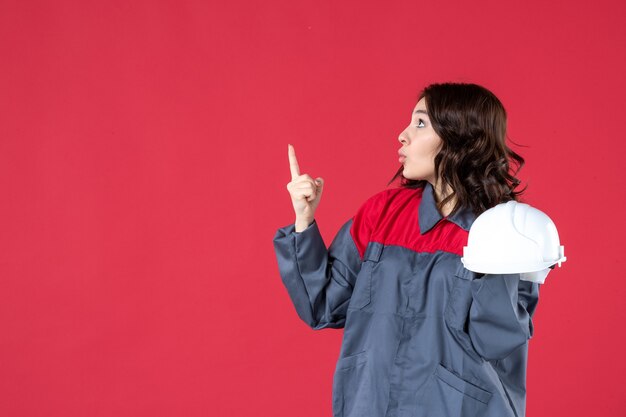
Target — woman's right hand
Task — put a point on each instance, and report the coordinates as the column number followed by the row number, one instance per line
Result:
column 305, row 191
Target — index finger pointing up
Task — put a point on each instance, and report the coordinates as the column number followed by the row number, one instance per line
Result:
column 293, row 163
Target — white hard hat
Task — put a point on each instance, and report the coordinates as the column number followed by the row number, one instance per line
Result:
column 512, row 238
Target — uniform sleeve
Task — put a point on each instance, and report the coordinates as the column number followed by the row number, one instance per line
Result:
column 500, row 317
column 319, row 280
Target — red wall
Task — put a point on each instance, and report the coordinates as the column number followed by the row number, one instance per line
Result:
column 143, row 172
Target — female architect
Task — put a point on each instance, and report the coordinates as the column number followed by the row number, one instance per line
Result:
column 423, row 336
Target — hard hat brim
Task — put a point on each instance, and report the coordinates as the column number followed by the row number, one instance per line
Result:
column 509, row 267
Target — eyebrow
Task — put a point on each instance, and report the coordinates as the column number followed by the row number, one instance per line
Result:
column 420, row 111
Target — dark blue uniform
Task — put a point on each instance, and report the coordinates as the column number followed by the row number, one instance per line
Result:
column 423, row 336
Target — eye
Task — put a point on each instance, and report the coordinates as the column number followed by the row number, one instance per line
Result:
column 420, row 122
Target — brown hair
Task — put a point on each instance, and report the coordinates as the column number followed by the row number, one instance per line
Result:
column 474, row 158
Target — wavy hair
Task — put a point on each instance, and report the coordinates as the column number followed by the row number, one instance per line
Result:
column 474, row 159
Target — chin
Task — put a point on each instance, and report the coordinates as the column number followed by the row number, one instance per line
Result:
column 409, row 176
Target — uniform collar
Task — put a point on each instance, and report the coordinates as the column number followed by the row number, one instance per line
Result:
column 429, row 216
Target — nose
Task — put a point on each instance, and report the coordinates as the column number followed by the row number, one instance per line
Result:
column 402, row 138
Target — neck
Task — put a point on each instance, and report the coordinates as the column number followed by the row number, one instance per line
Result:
column 440, row 194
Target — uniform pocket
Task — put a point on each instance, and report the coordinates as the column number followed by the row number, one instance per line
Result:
column 362, row 292
column 351, row 387
column 458, row 303
column 448, row 395
column 456, row 313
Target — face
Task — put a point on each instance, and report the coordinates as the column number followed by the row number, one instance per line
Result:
column 420, row 145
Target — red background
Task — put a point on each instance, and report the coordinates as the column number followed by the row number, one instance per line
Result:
column 143, row 171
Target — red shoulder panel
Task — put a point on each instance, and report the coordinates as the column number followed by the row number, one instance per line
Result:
column 366, row 218
column 390, row 217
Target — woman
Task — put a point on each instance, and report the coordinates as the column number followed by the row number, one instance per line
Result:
column 423, row 336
